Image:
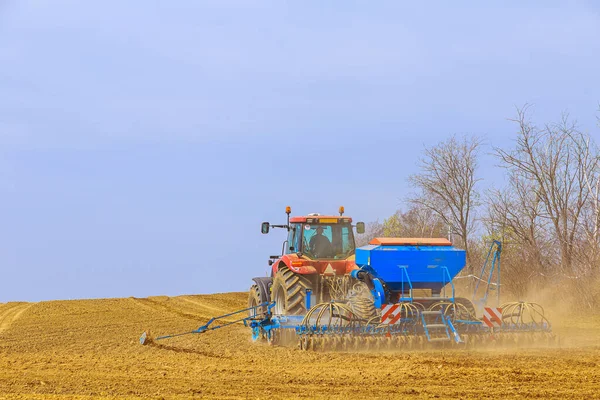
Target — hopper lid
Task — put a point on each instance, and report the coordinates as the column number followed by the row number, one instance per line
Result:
column 410, row 242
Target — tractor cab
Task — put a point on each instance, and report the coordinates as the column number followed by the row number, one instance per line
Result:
column 321, row 237
column 318, row 237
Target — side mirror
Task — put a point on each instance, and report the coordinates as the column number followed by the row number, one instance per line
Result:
column 360, row 227
column 264, row 228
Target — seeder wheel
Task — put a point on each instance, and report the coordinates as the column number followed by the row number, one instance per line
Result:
column 303, row 343
column 346, row 345
column 273, row 337
column 389, row 343
column 320, row 343
column 356, row 343
column 400, row 342
column 310, row 343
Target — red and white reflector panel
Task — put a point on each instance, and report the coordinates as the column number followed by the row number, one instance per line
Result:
column 390, row 314
column 492, row 317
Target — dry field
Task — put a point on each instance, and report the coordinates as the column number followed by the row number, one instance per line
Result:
column 89, row 349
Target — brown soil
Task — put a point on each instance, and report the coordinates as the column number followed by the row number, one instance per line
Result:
column 89, row 349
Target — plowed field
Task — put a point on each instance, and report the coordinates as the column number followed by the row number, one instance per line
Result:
column 89, row 349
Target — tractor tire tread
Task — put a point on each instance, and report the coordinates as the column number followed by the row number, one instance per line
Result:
column 295, row 286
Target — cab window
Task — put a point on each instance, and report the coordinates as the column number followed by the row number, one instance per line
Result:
column 293, row 239
column 328, row 241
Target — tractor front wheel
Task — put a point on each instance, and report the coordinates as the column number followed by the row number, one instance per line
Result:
column 289, row 292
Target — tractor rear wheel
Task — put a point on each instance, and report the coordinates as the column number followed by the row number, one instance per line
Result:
column 289, row 292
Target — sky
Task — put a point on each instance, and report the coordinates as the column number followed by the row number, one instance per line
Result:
column 142, row 143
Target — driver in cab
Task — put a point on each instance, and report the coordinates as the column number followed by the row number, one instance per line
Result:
column 319, row 244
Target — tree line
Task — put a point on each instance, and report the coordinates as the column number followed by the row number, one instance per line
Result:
column 546, row 214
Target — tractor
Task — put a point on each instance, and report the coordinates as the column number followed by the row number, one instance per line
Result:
column 314, row 266
column 325, row 294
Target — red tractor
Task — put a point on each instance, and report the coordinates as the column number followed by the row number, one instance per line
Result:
column 316, row 261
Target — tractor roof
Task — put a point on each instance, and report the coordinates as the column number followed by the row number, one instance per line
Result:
column 322, row 219
column 410, row 242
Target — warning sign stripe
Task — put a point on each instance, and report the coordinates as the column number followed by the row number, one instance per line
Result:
column 387, row 309
column 395, row 319
column 487, row 321
column 492, row 317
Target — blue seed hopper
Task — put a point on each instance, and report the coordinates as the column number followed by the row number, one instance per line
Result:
column 398, row 267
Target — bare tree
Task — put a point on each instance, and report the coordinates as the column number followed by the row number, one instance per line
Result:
column 372, row 229
column 514, row 218
column 553, row 160
column 417, row 221
column 446, row 184
column 591, row 176
column 514, row 214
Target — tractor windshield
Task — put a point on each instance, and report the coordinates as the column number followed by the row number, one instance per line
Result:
column 328, row 241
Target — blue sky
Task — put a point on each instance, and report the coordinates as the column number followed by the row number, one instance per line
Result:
column 142, row 143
